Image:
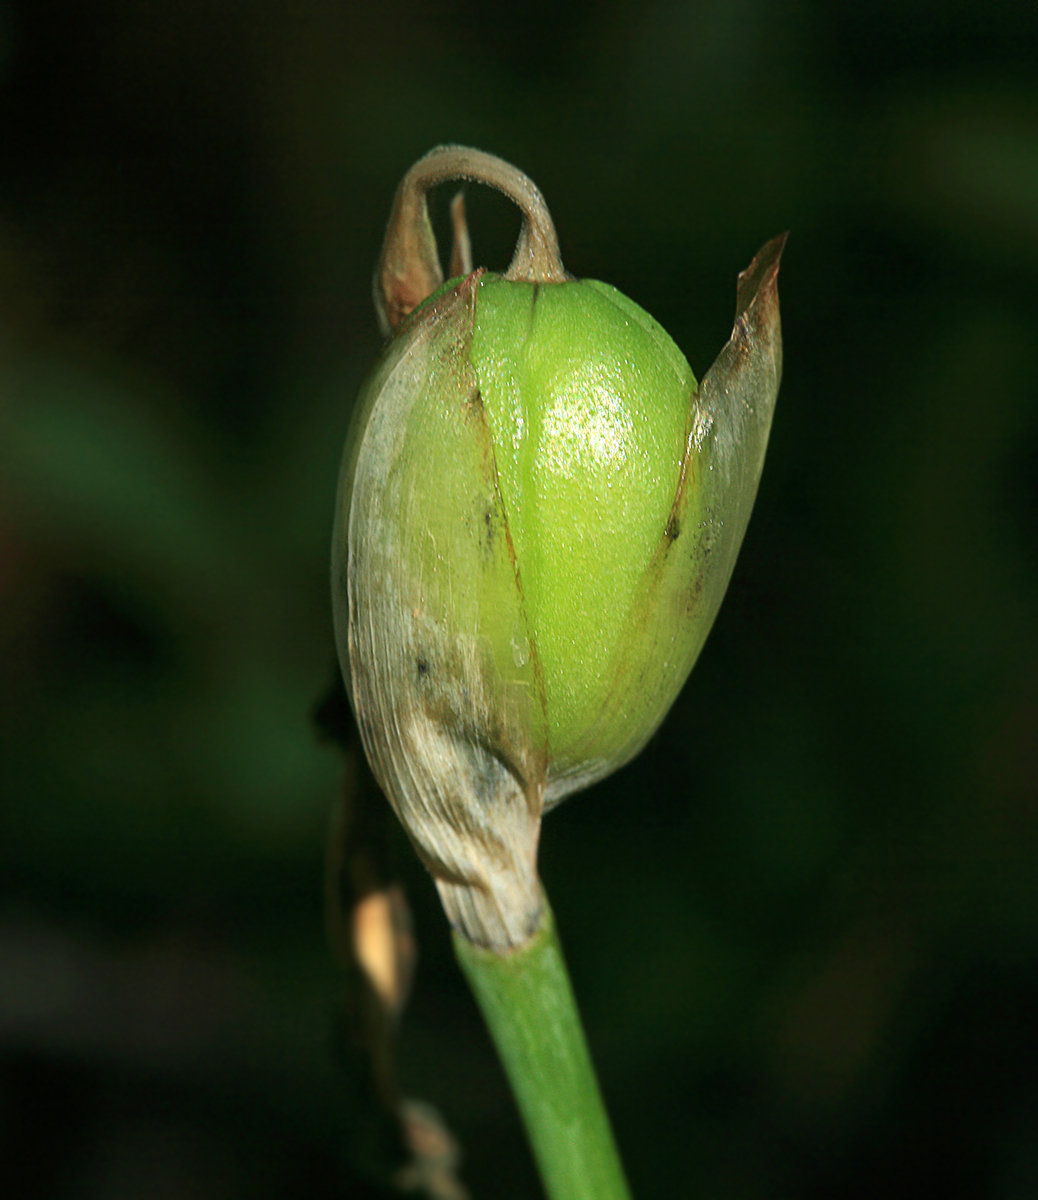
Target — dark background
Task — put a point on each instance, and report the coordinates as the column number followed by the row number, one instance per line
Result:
column 803, row 925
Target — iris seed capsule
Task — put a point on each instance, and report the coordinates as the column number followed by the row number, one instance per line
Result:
column 538, row 515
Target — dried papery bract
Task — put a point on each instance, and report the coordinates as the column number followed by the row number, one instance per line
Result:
column 447, row 607
column 409, row 266
column 452, row 718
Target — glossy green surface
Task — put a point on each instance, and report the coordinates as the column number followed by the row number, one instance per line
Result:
column 588, row 402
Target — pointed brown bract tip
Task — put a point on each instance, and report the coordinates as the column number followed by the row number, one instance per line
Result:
column 759, row 282
column 469, row 284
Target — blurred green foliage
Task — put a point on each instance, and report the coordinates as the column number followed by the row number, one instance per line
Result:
column 803, row 926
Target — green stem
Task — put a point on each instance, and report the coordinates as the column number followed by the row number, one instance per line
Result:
column 527, row 1002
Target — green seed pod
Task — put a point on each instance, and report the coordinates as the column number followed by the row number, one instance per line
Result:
column 537, row 518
